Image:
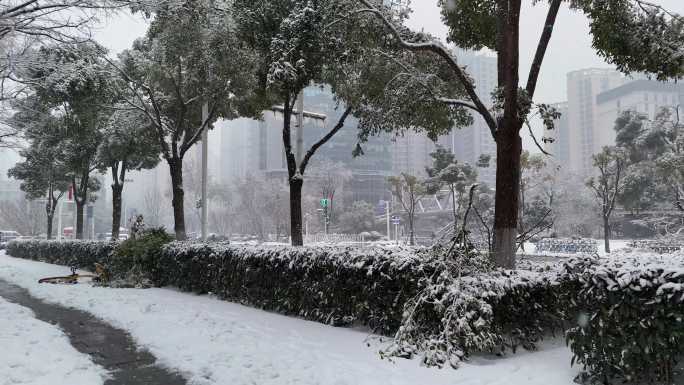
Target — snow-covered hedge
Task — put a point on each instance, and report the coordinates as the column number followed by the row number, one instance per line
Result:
column 630, row 317
column 80, row 254
column 624, row 316
column 333, row 285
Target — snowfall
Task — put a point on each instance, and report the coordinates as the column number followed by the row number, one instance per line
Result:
column 210, row 341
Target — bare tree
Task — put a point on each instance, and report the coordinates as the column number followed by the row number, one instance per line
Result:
column 607, row 185
column 408, row 190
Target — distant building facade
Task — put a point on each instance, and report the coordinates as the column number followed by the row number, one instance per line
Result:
column 468, row 143
column 583, row 87
column 256, row 147
column 556, row 141
column 643, row 96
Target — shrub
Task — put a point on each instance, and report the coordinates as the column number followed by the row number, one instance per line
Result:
column 333, row 285
column 457, row 314
column 630, row 325
column 135, row 262
column 79, row 254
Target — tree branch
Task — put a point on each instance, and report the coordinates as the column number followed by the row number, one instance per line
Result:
column 323, row 140
column 541, row 47
column 438, row 49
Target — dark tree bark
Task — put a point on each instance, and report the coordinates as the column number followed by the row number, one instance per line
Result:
column 50, row 207
column 296, row 185
column 79, row 218
column 508, row 142
column 295, row 170
column 506, row 200
column 176, row 170
column 117, row 192
column 80, row 195
column 116, row 210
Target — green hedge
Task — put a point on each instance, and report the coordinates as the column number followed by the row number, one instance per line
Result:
column 78, row 254
column 624, row 316
column 630, row 323
column 337, row 286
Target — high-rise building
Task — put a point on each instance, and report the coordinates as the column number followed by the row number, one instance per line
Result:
column 411, row 153
column 468, row 143
column 643, row 96
column 556, row 141
column 583, row 87
column 256, row 147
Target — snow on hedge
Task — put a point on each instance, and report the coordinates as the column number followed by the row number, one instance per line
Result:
column 36, row 353
column 217, row 342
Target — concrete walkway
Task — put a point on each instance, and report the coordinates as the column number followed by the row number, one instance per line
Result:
column 108, row 347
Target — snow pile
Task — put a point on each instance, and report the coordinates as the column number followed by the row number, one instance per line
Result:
column 217, row 342
column 36, row 353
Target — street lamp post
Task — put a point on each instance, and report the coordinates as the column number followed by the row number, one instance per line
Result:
column 205, row 161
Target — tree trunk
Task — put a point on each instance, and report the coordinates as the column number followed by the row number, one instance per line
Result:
column 296, row 184
column 50, row 213
column 79, row 218
column 49, row 226
column 509, row 147
column 176, row 170
column 117, row 190
column 606, row 234
column 453, row 209
column 412, row 238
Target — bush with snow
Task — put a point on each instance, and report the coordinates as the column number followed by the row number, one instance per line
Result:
column 623, row 315
column 465, row 307
column 73, row 253
column 332, row 285
column 630, row 317
column 135, row 262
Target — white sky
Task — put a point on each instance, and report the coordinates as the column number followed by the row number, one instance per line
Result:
column 569, row 50
column 570, row 47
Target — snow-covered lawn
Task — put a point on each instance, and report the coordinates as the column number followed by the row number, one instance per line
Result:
column 38, row 353
column 218, row 342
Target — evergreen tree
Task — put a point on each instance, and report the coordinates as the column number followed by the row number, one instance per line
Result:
column 188, row 58
column 635, row 35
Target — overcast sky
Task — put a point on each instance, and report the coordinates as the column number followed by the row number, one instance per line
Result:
column 569, row 50
column 570, row 47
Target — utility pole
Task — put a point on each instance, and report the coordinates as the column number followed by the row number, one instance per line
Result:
column 387, row 212
column 59, row 220
column 205, row 161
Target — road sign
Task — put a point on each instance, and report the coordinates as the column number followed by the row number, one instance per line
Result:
column 396, row 220
column 325, row 202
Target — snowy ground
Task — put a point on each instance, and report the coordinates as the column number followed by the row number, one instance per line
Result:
column 38, row 353
column 218, row 342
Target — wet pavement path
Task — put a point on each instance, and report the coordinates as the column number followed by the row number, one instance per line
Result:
column 107, row 346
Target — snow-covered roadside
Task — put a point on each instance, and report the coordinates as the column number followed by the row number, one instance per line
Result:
column 218, row 342
column 38, row 353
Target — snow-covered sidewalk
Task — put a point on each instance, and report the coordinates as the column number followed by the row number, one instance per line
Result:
column 218, row 342
column 37, row 353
